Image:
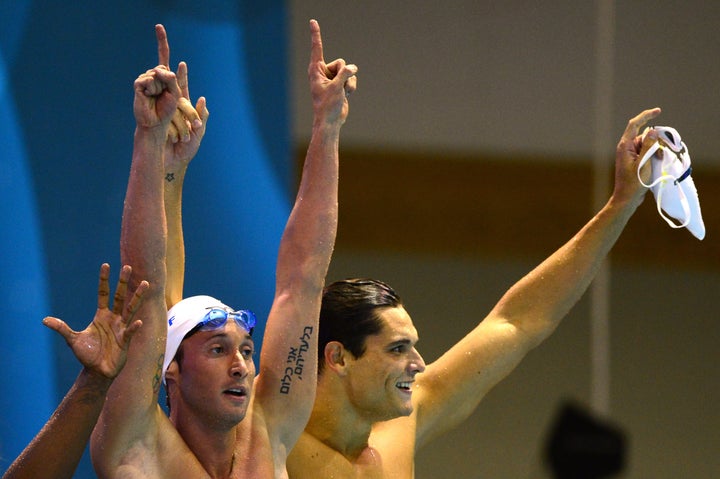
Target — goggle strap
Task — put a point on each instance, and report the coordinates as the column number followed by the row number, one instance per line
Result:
column 683, row 198
column 687, row 173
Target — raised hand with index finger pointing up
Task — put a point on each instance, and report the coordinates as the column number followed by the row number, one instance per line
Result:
column 330, row 83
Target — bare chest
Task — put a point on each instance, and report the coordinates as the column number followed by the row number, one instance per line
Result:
column 311, row 459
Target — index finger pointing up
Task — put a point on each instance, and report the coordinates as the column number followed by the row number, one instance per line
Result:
column 635, row 124
column 163, row 46
column 316, row 52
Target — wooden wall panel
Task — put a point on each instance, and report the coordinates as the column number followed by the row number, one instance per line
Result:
column 522, row 207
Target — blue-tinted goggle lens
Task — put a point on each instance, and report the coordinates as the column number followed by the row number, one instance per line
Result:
column 217, row 318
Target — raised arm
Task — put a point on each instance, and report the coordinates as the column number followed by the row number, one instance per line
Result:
column 131, row 414
column 101, row 348
column 529, row 312
column 185, row 135
column 285, row 387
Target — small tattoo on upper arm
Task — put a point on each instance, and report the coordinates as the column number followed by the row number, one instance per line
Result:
column 157, row 379
column 296, row 361
column 170, row 177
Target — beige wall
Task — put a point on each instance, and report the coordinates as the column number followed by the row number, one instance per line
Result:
column 512, row 76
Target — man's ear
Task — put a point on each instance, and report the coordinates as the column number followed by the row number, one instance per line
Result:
column 171, row 374
column 336, row 357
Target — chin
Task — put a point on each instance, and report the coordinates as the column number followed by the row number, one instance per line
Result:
column 402, row 410
column 239, row 416
column 229, row 421
column 406, row 411
column 233, row 418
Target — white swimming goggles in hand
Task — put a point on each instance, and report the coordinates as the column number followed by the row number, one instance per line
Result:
column 672, row 185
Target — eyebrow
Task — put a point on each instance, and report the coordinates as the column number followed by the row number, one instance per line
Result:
column 400, row 342
column 224, row 335
column 218, row 335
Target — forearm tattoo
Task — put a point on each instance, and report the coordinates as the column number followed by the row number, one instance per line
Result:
column 296, row 361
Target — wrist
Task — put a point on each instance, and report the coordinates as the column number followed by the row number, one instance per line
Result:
column 325, row 127
column 93, row 380
column 155, row 135
column 622, row 207
column 174, row 178
column 626, row 198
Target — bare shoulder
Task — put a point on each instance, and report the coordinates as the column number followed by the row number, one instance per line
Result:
column 395, row 441
column 163, row 456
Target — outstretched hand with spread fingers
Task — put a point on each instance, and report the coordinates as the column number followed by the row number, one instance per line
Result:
column 102, row 346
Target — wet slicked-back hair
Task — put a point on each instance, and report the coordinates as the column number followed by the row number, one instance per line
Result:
column 350, row 313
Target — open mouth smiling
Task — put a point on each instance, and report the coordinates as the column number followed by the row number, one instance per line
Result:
column 405, row 385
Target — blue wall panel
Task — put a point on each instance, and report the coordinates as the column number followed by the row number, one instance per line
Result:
column 27, row 369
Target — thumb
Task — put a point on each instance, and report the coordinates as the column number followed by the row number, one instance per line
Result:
column 57, row 324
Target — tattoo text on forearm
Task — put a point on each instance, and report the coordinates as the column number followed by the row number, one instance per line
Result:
column 296, row 361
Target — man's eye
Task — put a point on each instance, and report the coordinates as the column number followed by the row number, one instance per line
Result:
column 246, row 353
column 216, row 349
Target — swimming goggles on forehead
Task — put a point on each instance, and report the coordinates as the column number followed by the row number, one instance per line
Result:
column 217, row 318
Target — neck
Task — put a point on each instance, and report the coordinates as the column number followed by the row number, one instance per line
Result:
column 336, row 423
column 214, row 448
